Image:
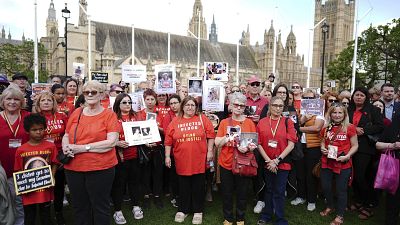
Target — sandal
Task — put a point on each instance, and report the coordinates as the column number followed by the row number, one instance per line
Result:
column 326, row 212
column 365, row 213
column 355, row 207
column 197, row 218
column 338, row 220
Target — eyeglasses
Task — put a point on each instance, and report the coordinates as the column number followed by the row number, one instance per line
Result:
column 161, row 95
column 255, row 84
column 86, row 93
column 277, row 105
column 308, row 97
column 233, row 91
column 126, row 103
column 190, row 105
column 345, row 103
column 173, row 103
column 295, row 87
column 332, row 100
column 118, row 92
column 239, row 105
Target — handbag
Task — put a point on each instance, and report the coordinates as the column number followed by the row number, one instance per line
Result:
column 316, row 171
column 244, row 164
column 297, row 152
column 63, row 158
column 387, row 177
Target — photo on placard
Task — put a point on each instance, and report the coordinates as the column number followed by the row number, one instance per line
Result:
column 165, row 75
column 248, row 138
column 195, row 86
column 165, row 79
column 151, row 116
column 213, row 97
column 146, row 131
column 137, row 134
column 250, row 110
column 79, row 70
column 141, row 132
column 216, row 71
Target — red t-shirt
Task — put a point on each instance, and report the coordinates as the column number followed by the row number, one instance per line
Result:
column 297, row 105
column 55, row 127
column 141, row 115
column 189, row 142
column 92, row 129
column 282, row 136
column 342, row 141
column 356, row 117
column 65, row 108
column 225, row 158
column 33, row 156
column 167, row 120
column 7, row 153
column 259, row 103
column 162, row 110
column 131, row 151
column 105, row 102
column 70, row 100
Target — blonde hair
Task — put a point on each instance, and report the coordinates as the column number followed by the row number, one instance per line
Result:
column 13, row 91
column 345, row 122
column 36, row 107
column 94, row 84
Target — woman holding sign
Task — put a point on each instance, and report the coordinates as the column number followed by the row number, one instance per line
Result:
column 12, row 136
column 191, row 135
column 338, row 145
column 90, row 137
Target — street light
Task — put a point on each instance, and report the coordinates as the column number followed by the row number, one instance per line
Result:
column 325, row 29
column 66, row 15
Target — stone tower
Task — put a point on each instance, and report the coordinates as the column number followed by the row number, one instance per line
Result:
column 51, row 22
column 245, row 40
column 291, row 43
column 82, row 15
column 340, row 18
column 213, row 36
column 194, row 22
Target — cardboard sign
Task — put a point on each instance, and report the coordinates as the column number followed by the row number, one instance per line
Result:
column 213, row 96
column 33, row 179
column 38, row 88
column 141, row 132
column 216, row 71
column 133, row 73
column 313, row 107
column 165, row 78
column 79, row 70
column 101, row 77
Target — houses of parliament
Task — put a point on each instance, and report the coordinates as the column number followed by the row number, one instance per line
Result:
column 112, row 44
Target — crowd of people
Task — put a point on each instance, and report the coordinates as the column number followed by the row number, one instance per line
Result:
column 77, row 130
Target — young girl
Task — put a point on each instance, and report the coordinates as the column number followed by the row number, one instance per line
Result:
column 62, row 105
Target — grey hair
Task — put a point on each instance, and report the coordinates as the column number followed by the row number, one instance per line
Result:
column 95, row 85
column 13, row 91
column 237, row 96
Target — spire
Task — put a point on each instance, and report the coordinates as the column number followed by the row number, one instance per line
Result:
column 51, row 13
column 271, row 30
column 196, row 7
column 82, row 14
column 3, row 33
column 248, row 28
column 194, row 21
column 213, row 36
column 108, row 48
column 9, row 34
column 23, row 36
column 213, row 22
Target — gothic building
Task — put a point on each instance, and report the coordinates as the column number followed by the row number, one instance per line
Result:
column 8, row 39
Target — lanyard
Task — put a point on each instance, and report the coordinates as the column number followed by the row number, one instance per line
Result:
column 276, row 127
column 14, row 132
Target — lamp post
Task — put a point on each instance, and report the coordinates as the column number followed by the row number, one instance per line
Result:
column 66, row 14
column 101, row 61
column 325, row 29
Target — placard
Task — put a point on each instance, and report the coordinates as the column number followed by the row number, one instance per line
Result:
column 248, row 138
column 134, row 73
column 33, row 179
column 312, row 106
column 38, row 88
column 213, row 96
column 195, row 85
column 165, row 79
column 141, row 132
column 216, row 71
column 79, row 70
column 137, row 101
column 101, row 77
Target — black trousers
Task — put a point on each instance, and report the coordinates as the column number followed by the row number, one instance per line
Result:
column 191, row 193
column 392, row 208
column 152, row 172
column 362, row 187
column 127, row 172
column 173, row 179
column 306, row 181
column 258, row 181
column 44, row 213
column 90, row 192
column 59, row 189
column 230, row 183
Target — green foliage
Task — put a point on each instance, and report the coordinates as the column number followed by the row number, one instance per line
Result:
column 378, row 57
column 20, row 58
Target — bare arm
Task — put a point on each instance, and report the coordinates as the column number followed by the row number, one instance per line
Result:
column 353, row 149
column 210, row 149
column 314, row 128
column 168, row 156
column 221, row 141
column 97, row 147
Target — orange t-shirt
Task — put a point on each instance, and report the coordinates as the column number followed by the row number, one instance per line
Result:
column 33, row 156
column 92, row 129
column 189, row 142
column 105, row 102
column 225, row 158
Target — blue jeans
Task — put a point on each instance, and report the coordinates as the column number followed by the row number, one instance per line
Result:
column 342, row 181
column 274, row 196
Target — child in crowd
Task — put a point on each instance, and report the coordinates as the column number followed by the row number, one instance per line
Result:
column 37, row 152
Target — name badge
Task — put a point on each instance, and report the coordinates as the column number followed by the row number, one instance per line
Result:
column 14, row 143
column 272, row 144
column 50, row 140
column 332, row 152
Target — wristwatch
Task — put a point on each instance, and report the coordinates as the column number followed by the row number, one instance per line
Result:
column 279, row 159
column 88, row 147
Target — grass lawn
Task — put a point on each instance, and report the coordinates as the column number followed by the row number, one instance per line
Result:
column 296, row 215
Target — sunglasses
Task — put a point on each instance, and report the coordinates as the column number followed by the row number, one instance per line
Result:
column 239, row 105
column 118, row 92
column 333, row 100
column 86, row 93
column 308, row 97
column 233, row 91
column 345, row 103
column 255, row 84
column 126, row 103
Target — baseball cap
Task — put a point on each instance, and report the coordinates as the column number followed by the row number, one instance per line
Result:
column 3, row 79
column 19, row 76
column 253, row 79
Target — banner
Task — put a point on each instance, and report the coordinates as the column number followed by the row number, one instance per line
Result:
column 141, row 132
column 101, row 77
column 134, row 73
column 33, row 179
column 165, row 79
column 213, row 96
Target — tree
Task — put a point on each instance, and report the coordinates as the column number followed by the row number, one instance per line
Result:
column 20, row 58
column 378, row 57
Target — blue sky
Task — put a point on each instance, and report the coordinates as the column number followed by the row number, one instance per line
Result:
column 232, row 16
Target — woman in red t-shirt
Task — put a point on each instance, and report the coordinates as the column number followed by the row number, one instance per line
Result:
column 192, row 138
column 338, row 144
column 62, row 105
column 90, row 137
column 226, row 140
column 128, row 170
column 276, row 138
column 71, row 90
column 56, row 122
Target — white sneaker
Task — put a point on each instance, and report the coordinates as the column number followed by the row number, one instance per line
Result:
column 298, row 201
column 311, row 207
column 258, row 208
column 119, row 218
column 66, row 189
column 137, row 212
column 65, row 201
